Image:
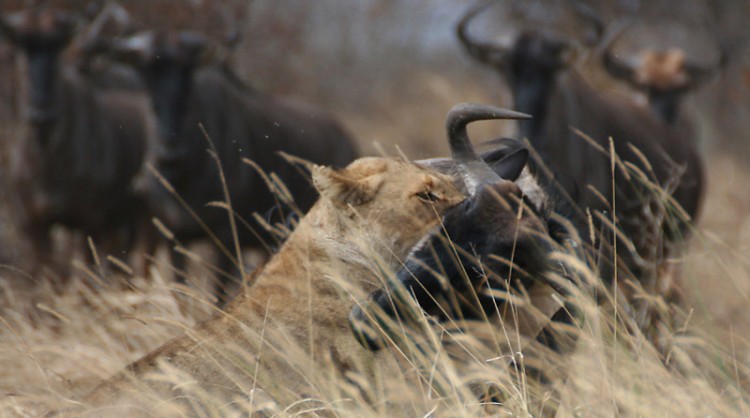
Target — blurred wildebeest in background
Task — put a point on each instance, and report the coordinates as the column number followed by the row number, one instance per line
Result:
column 664, row 75
column 82, row 144
column 538, row 68
column 190, row 91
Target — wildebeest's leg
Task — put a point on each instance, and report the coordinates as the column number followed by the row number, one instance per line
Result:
column 641, row 272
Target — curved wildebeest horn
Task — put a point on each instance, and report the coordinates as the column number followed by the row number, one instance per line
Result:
column 697, row 74
column 494, row 52
column 92, row 42
column 592, row 18
column 616, row 67
column 233, row 35
column 489, row 52
column 475, row 170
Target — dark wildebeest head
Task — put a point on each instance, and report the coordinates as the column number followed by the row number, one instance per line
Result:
column 166, row 61
column 84, row 143
column 531, row 62
column 41, row 34
column 664, row 75
column 496, row 241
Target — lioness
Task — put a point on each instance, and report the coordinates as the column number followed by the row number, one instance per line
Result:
column 293, row 319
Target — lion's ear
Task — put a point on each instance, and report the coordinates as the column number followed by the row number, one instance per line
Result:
column 344, row 189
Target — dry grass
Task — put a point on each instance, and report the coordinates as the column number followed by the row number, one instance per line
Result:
column 55, row 344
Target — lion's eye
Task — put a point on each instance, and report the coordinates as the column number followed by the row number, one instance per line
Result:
column 427, row 196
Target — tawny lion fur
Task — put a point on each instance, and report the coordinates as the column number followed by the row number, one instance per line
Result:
column 293, row 319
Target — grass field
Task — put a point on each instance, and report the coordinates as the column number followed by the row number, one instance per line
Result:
column 59, row 336
column 57, row 341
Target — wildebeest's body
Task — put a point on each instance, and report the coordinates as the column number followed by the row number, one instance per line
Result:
column 575, row 104
column 189, row 95
column 82, row 145
column 536, row 69
column 241, row 123
column 79, row 169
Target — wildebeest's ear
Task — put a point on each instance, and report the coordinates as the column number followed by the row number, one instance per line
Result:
column 345, row 189
column 508, row 158
column 510, row 166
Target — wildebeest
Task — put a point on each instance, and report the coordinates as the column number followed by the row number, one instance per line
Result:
column 665, row 76
column 82, row 145
column 191, row 92
column 491, row 249
column 537, row 68
column 291, row 323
